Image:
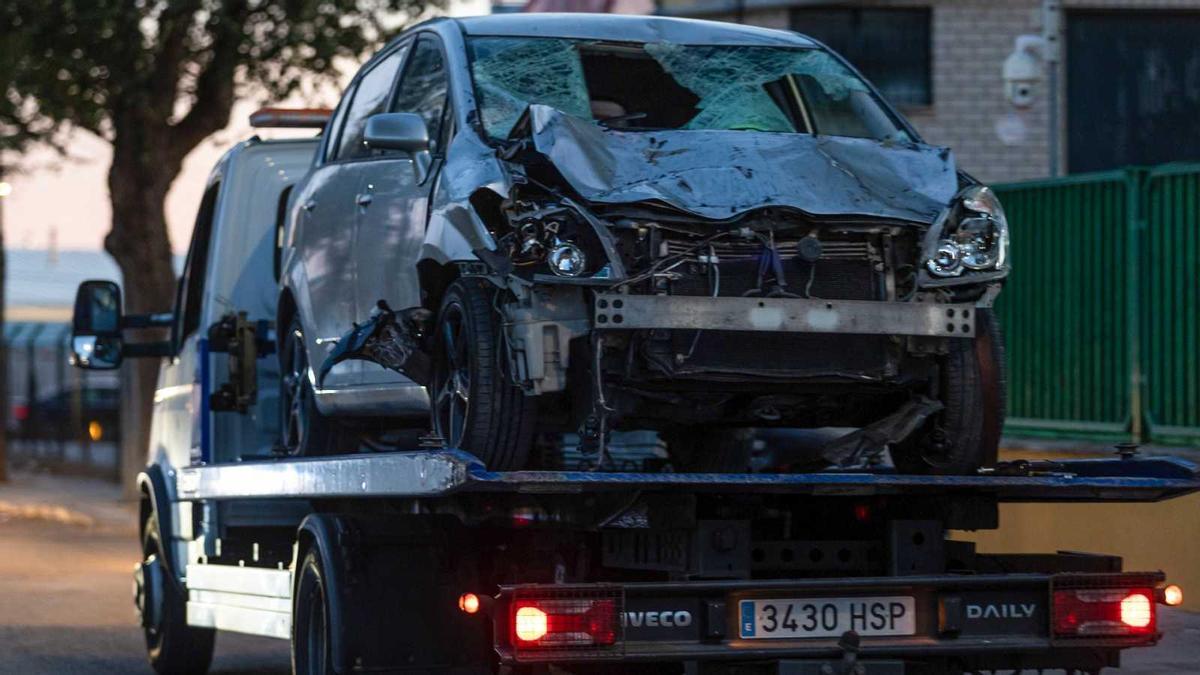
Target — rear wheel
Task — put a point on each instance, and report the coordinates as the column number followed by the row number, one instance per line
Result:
column 311, row 652
column 304, row 431
column 475, row 406
column 174, row 648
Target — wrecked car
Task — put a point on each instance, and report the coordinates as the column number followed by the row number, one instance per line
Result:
column 527, row 225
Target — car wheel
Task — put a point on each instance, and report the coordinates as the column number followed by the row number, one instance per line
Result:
column 965, row 435
column 475, row 406
column 304, row 431
column 710, row 450
column 174, row 648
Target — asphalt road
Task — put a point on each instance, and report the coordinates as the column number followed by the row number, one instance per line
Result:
column 65, row 603
column 67, row 548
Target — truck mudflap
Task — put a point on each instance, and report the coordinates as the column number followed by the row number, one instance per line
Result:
column 998, row 620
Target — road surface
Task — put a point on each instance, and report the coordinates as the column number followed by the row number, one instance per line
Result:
column 67, row 549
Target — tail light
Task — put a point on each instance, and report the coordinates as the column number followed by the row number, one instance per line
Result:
column 1104, row 612
column 544, row 622
column 20, row 412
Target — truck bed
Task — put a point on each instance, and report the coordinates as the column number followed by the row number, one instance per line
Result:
column 436, row 473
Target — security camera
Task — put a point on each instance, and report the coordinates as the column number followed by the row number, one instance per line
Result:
column 1023, row 70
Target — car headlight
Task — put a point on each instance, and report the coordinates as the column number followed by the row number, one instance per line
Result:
column 975, row 238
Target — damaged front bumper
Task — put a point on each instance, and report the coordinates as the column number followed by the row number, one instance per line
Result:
column 612, row 311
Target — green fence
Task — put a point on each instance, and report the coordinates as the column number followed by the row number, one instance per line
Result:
column 1102, row 310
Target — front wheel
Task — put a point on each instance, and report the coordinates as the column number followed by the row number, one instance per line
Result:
column 311, row 644
column 965, row 435
column 475, row 406
column 173, row 647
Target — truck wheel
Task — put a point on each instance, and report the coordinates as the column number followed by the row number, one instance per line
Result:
column 304, row 431
column 965, row 435
column 710, row 450
column 311, row 644
column 475, row 406
column 174, row 647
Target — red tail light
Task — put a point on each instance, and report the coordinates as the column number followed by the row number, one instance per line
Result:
column 548, row 622
column 1104, row 612
column 20, row 412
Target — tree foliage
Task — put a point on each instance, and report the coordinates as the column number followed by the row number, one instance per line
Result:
column 155, row 78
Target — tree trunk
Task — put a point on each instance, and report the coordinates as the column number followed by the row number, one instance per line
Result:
column 4, row 402
column 138, row 180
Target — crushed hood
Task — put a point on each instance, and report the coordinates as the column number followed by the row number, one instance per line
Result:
column 720, row 174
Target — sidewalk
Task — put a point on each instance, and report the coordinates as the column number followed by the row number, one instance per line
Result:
column 67, row 500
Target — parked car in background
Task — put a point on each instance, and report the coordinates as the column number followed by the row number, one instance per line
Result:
column 92, row 414
column 552, row 224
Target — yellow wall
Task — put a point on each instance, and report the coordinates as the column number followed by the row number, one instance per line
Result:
column 1149, row 537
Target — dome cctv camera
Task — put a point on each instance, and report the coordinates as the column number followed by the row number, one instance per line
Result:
column 1023, row 70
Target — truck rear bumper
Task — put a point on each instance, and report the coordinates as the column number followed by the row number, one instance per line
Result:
column 1005, row 620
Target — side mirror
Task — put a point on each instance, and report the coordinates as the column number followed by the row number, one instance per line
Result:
column 397, row 131
column 96, row 326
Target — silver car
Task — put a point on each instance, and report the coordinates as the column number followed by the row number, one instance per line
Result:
column 528, row 225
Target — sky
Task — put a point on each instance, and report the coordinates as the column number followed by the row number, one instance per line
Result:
column 62, row 202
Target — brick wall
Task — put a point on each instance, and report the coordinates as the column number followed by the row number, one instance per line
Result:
column 971, row 39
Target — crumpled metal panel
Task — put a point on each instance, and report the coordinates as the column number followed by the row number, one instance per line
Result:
column 721, row 174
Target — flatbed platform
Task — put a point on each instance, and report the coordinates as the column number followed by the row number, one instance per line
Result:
column 439, row 473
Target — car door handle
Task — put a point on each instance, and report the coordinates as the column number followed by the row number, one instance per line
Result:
column 364, row 199
column 309, row 205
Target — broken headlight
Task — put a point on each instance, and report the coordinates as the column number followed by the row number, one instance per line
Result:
column 975, row 238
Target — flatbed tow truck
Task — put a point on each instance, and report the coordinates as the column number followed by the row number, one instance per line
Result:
column 422, row 560
column 837, row 573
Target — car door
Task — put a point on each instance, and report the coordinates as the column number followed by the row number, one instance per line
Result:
column 395, row 198
column 327, row 209
column 396, row 189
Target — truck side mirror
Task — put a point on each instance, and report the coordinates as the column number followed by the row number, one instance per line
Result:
column 96, row 342
column 405, row 132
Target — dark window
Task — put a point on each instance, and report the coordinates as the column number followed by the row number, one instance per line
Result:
column 890, row 46
column 190, row 298
column 370, row 99
column 1143, row 109
column 423, row 88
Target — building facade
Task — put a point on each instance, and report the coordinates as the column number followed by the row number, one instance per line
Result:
column 1128, row 74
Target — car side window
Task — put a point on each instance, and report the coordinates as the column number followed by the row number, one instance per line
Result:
column 190, row 299
column 334, row 128
column 423, row 88
column 370, row 99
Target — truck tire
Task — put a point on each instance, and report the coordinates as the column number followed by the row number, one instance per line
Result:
column 474, row 404
column 312, row 649
column 173, row 647
column 965, row 435
column 304, row 431
column 710, row 450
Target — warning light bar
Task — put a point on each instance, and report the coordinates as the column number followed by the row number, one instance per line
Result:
column 543, row 623
column 290, row 118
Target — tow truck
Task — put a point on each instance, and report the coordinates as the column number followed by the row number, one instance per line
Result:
column 411, row 557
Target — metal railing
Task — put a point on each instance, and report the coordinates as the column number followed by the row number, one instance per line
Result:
column 1102, row 310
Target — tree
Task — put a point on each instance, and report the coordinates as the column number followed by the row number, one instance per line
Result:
column 155, row 78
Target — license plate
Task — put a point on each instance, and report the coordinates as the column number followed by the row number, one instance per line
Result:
column 826, row 617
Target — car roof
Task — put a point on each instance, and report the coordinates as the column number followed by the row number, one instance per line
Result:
column 629, row 28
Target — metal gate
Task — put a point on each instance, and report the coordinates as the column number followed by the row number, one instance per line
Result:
column 1102, row 311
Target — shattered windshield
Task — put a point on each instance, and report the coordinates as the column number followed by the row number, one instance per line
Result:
column 661, row 85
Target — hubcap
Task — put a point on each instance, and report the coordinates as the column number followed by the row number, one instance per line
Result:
column 452, row 400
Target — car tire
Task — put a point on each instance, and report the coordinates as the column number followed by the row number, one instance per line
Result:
column 972, row 387
column 710, row 450
column 304, row 431
column 173, row 647
column 312, row 646
column 474, row 406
